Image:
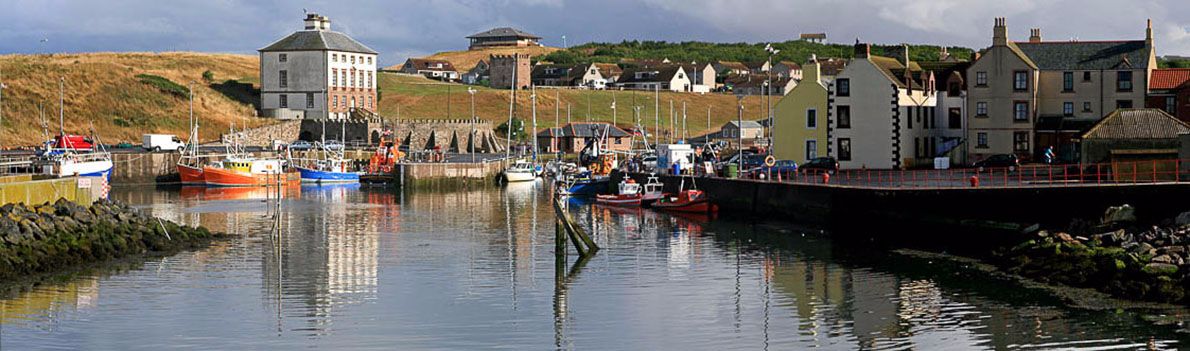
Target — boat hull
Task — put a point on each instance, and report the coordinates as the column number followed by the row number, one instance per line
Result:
column 696, row 206
column 618, row 200
column 519, row 176
column 589, row 188
column 190, row 175
column 317, row 176
column 225, row 177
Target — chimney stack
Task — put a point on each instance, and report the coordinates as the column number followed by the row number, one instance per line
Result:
column 862, row 50
column 1000, row 32
column 1149, row 33
column 904, row 57
column 813, row 70
column 943, row 55
column 316, row 22
column 1035, row 35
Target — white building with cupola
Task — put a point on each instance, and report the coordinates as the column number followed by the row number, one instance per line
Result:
column 317, row 73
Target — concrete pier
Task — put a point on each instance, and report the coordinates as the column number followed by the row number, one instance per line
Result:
column 24, row 189
column 448, row 173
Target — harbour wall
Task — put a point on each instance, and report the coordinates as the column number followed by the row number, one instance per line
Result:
column 857, row 206
column 150, row 167
column 24, row 189
column 448, row 173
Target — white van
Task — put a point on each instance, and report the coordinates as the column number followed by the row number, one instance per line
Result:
column 160, row 142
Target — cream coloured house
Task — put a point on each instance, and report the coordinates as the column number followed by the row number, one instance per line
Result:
column 1024, row 95
column 880, row 110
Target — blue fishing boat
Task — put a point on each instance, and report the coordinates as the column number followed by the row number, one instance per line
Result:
column 589, row 187
column 326, row 175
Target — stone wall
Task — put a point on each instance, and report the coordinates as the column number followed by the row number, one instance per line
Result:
column 264, row 136
column 452, row 135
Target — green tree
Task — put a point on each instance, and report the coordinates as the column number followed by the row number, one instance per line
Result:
column 518, row 129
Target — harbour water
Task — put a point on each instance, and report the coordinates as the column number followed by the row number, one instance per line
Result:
column 342, row 267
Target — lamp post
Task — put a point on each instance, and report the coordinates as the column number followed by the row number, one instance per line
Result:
column 471, row 137
column 2, row 87
column 739, row 134
column 768, row 104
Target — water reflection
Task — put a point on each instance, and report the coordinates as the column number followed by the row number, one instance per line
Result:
column 343, row 267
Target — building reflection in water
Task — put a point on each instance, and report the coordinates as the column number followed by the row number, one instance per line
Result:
column 44, row 304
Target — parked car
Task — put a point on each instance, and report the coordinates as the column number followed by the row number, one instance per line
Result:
column 781, row 166
column 333, row 145
column 822, row 164
column 300, row 145
column 1009, row 161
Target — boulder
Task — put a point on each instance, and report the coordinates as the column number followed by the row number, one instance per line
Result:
column 1119, row 214
column 1163, row 259
column 1160, row 268
column 1182, row 219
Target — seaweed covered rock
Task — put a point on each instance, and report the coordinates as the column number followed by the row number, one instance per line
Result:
column 35, row 239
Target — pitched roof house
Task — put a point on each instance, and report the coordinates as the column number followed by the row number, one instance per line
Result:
column 1169, row 90
column 435, row 69
column 671, row 77
column 572, row 137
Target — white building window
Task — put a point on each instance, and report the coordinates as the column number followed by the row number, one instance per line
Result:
column 353, row 59
column 309, row 100
column 369, row 60
column 284, row 103
column 283, row 78
column 335, row 101
column 334, row 77
column 334, row 57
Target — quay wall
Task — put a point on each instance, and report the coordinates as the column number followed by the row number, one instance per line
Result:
column 24, row 189
column 150, row 167
column 448, row 173
column 817, row 203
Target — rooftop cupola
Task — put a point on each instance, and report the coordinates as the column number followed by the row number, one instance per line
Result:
column 317, row 22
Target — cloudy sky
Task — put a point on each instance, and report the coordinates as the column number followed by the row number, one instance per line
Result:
column 403, row 28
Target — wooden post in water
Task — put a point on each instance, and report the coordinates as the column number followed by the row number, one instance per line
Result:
column 577, row 235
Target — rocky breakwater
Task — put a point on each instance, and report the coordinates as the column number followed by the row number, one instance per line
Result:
column 47, row 237
column 1115, row 255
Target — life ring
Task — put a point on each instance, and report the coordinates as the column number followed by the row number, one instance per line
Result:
column 770, row 161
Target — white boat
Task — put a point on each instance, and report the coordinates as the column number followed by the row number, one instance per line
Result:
column 69, row 163
column 520, row 171
column 653, row 190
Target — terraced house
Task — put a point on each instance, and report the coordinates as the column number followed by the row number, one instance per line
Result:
column 1030, row 95
column 881, row 110
column 317, row 73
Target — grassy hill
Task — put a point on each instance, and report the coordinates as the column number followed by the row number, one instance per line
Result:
column 125, row 95
column 794, row 50
column 417, row 97
column 465, row 60
column 128, row 94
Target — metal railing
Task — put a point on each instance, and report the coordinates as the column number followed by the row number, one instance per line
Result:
column 1029, row 175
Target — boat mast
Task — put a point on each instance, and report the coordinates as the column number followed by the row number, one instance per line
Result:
column 511, row 101
column 533, row 97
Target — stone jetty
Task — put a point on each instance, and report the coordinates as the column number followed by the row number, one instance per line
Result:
column 1114, row 255
column 47, row 237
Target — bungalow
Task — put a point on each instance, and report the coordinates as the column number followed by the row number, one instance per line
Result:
column 701, row 75
column 787, row 69
column 573, row 137
column 672, row 78
column 431, row 68
column 726, row 68
column 477, row 74
column 610, row 71
column 547, row 74
column 754, row 84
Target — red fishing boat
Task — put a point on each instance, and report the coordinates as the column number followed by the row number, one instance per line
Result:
column 690, row 201
column 629, row 195
column 191, row 175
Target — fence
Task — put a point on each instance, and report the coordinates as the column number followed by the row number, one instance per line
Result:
column 1111, row 173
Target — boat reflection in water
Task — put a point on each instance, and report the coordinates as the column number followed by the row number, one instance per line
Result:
column 341, row 267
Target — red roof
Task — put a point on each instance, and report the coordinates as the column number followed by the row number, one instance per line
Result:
column 1169, row 78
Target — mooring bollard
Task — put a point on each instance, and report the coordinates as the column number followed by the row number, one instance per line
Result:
column 974, row 181
column 826, row 178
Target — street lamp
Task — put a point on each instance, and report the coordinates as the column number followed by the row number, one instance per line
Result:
column 739, row 134
column 768, row 104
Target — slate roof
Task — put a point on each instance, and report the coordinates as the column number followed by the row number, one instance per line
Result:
column 1138, row 123
column 549, row 71
column 310, row 40
column 748, row 124
column 734, row 65
column 609, row 69
column 1086, row 55
column 425, row 65
column 503, row 32
column 895, row 71
column 944, row 69
column 664, row 74
column 1169, row 78
column 584, row 130
column 830, row 66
